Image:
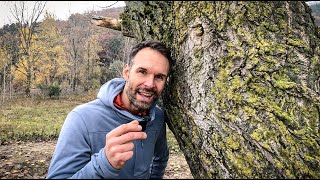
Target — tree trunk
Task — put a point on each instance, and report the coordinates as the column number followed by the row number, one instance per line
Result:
column 28, row 78
column 4, row 84
column 10, row 80
column 243, row 98
column 74, row 65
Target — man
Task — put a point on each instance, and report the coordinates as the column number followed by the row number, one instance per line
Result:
column 121, row 134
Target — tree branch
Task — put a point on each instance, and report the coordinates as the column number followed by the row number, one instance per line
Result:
column 109, row 5
column 107, row 22
column 110, row 23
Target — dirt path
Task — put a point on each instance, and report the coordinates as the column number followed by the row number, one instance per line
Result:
column 30, row 160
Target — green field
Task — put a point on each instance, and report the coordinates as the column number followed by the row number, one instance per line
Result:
column 29, row 119
column 36, row 119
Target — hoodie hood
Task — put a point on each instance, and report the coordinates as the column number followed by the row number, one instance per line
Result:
column 111, row 89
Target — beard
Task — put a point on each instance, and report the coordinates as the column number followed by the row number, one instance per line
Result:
column 141, row 105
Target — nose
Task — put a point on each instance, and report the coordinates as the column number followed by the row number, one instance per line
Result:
column 149, row 83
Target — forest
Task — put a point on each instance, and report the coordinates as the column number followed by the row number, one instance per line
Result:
column 52, row 57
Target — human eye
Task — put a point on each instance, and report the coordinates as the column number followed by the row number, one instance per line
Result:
column 160, row 77
column 142, row 71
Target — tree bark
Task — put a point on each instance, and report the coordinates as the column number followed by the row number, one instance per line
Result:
column 4, row 84
column 244, row 95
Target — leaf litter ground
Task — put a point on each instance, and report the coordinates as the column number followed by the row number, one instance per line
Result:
column 30, row 160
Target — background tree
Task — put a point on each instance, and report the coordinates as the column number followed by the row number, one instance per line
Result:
column 111, row 56
column 90, row 69
column 82, row 51
column 10, row 49
column 53, row 66
column 27, row 24
column 26, row 68
column 243, row 99
column 3, row 63
column 74, row 41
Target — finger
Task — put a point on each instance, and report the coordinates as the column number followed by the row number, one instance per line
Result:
column 121, row 148
column 130, row 136
column 124, row 128
column 126, row 156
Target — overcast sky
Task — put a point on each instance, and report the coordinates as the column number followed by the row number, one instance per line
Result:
column 62, row 9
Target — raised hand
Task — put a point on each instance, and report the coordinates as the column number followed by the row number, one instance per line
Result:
column 119, row 145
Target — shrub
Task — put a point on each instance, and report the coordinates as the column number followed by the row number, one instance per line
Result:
column 52, row 90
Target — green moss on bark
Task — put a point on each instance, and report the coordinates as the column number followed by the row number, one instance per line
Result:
column 261, row 99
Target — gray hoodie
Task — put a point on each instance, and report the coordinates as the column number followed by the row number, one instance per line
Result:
column 79, row 152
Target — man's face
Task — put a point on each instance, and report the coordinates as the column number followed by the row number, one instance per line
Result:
column 145, row 79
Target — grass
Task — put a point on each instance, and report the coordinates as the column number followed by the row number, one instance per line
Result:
column 25, row 119
column 37, row 119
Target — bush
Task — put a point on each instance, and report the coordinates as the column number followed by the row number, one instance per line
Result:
column 52, row 90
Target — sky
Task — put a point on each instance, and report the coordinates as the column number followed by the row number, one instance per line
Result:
column 62, row 9
column 312, row 2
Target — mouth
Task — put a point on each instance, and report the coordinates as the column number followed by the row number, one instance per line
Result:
column 145, row 96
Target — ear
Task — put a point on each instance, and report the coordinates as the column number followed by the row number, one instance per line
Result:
column 125, row 72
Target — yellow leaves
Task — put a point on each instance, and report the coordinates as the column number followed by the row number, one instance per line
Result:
column 42, row 54
column 3, row 57
column 20, row 72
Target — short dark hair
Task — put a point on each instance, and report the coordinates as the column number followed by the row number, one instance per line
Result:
column 153, row 44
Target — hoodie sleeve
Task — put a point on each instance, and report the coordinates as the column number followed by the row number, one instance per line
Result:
column 72, row 157
column 161, row 157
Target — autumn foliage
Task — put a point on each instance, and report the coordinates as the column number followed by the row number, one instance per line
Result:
column 72, row 55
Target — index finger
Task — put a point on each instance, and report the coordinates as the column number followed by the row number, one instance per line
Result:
column 125, row 128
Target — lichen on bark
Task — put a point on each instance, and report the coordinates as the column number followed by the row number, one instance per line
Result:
column 243, row 98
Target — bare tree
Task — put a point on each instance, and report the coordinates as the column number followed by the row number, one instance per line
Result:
column 27, row 24
column 75, row 33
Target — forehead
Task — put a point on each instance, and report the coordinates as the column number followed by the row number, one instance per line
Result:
column 148, row 57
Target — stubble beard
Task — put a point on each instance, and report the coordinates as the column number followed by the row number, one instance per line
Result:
column 140, row 105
